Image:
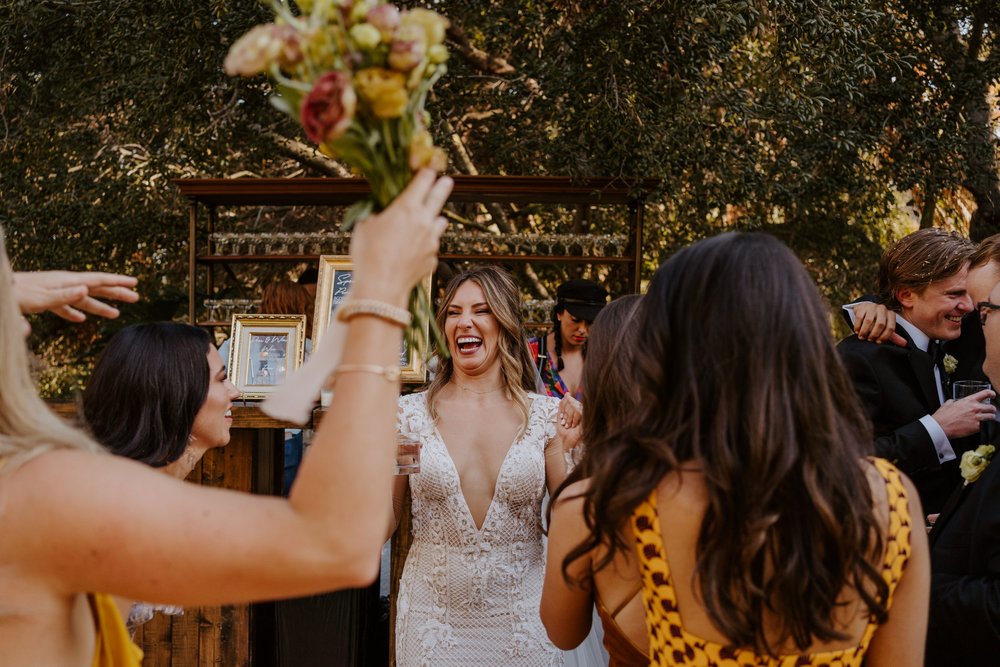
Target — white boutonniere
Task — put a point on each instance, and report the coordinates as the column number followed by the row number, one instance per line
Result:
column 974, row 462
column 950, row 363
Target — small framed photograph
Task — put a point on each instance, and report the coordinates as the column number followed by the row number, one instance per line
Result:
column 335, row 276
column 264, row 351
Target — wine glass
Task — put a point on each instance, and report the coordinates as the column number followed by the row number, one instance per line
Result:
column 619, row 241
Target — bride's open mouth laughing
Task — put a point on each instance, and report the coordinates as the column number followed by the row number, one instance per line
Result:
column 468, row 344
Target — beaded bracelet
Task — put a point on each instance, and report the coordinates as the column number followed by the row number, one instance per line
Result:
column 380, row 309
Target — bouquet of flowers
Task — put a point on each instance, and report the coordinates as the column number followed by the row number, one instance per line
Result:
column 355, row 74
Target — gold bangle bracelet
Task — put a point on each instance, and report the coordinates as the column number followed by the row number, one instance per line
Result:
column 390, row 373
column 380, row 309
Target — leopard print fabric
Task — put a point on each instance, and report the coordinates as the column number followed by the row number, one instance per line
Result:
column 671, row 644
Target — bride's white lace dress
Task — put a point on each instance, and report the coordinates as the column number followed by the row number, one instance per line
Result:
column 469, row 596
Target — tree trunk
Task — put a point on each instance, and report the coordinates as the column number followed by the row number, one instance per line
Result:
column 982, row 178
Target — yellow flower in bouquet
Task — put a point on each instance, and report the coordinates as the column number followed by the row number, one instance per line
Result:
column 383, row 90
column 356, row 75
column 423, row 153
column 433, row 24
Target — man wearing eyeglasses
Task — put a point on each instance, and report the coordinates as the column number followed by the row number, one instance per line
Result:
column 923, row 279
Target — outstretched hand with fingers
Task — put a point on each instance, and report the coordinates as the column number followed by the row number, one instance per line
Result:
column 72, row 294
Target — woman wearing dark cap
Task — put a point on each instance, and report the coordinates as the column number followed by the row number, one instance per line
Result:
column 559, row 354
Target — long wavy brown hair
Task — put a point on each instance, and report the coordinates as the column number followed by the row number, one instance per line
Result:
column 609, row 391
column 516, row 366
column 736, row 370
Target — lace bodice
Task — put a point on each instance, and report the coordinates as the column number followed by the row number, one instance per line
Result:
column 470, row 596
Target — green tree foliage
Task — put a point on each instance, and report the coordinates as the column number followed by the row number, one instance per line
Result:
column 804, row 118
column 944, row 127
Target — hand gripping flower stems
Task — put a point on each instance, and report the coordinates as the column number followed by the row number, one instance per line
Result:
column 356, row 76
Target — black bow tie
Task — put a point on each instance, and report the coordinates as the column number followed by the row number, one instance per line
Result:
column 937, row 354
column 936, row 351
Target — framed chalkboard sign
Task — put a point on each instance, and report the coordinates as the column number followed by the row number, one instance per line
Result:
column 264, row 351
column 335, row 276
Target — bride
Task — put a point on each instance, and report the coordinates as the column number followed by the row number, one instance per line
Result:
column 472, row 582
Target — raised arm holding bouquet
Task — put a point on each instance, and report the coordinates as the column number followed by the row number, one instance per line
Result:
column 355, row 74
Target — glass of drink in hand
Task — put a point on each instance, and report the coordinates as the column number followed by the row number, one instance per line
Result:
column 407, row 454
column 963, row 388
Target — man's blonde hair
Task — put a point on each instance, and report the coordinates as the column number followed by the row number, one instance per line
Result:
column 919, row 259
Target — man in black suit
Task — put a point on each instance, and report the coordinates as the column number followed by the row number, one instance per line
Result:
column 923, row 279
column 964, row 624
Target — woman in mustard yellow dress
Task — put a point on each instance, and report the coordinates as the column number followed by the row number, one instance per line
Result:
column 734, row 517
column 75, row 520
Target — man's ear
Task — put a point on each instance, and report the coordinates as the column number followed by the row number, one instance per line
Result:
column 906, row 297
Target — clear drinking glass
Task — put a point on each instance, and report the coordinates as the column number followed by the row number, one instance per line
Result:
column 407, row 454
column 963, row 388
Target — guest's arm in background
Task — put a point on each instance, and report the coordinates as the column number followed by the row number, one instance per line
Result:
column 872, row 321
column 568, row 421
column 567, row 607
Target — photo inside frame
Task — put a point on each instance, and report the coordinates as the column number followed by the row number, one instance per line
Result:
column 268, row 359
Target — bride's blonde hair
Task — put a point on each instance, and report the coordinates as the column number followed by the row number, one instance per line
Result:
column 27, row 426
column 516, row 367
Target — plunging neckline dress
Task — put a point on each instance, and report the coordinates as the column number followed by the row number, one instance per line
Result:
column 469, row 595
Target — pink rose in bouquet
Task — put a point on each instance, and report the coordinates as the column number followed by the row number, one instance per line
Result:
column 408, row 49
column 328, row 109
column 263, row 45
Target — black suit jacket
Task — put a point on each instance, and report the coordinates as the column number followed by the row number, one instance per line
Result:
column 964, row 626
column 969, row 348
column 897, row 387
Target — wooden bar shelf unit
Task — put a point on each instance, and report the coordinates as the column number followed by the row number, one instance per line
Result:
column 210, row 193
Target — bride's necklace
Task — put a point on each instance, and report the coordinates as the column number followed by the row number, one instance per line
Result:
column 474, row 391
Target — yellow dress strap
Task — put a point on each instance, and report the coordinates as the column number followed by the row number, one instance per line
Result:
column 663, row 619
column 898, row 539
column 113, row 647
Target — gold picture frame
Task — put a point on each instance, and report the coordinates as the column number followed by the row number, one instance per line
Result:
column 265, row 349
column 333, row 282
